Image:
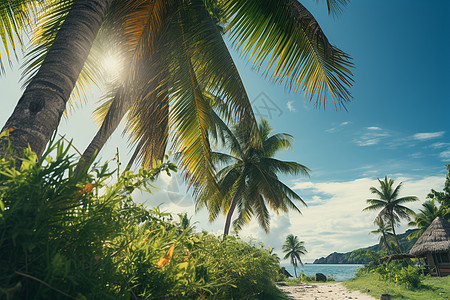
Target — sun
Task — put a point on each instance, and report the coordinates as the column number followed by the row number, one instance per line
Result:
column 112, row 65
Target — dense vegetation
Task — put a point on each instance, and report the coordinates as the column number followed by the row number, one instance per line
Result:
column 400, row 282
column 79, row 235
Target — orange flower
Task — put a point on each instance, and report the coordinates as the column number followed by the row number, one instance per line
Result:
column 87, row 188
column 164, row 260
column 11, row 129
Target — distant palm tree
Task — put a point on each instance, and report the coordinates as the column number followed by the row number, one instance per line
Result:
column 425, row 217
column 185, row 224
column 294, row 249
column 274, row 254
column 390, row 206
column 385, row 231
column 249, row 179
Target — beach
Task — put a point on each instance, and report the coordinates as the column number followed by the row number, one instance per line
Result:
column 319, row 291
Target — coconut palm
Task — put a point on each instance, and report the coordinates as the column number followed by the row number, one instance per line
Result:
column 283, row 35
column 248, row 180
column 390, row 205
column 294, row 249
column 43, row 102
column 426, row 216
column 385, row 231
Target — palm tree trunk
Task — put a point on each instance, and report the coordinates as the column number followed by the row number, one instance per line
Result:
column 295, row 269
column 236, row 197
column 395, row 235
column 116, row 112
column 229, row 214
column 386, row 243
column 39, row 110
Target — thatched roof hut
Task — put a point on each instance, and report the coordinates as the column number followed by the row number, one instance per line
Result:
column 434, row 244
column 434, row 240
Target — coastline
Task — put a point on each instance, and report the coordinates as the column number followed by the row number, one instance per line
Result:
column 319, row 291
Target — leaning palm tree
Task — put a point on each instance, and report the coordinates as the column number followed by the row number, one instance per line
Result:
column 294, row 249
column 281, row 35
column 390, row 205
column 426, row 216
column 248, row 180
column 385, row 232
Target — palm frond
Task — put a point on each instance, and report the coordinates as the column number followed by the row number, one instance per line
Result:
column 15, row 16
column 285, row 36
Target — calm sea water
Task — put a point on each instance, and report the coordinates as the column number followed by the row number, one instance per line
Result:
column 340, row 272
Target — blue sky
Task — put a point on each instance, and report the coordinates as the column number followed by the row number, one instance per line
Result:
column 396, row 125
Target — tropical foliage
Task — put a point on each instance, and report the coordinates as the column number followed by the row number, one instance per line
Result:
column 294, row 249
column 173, row 50
column 426, row 216
column 437, row 205
column 74, row 235
column 391, row 207
column 443, row 198
column 385, row 232
column 15, row 17
column 248, row 180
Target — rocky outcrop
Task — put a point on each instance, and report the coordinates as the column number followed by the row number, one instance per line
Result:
column 321, row 277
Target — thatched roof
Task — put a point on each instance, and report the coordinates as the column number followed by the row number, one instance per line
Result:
column 435, row 239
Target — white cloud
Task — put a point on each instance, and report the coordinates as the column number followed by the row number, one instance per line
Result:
column 333, row 220
column 428, row 135
column 334, row 129
column 416, row 155
column 439, row 145
column 290, row 106
column 372, row 136
column 367, row 142
column 338, row 223
column 445, row 155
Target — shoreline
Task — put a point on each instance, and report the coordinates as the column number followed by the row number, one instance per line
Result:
column 319, row 291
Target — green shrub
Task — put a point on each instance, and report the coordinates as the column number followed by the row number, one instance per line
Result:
column 398, row 272
column 67, row 234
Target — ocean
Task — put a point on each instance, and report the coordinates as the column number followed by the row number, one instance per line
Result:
column 340, row 272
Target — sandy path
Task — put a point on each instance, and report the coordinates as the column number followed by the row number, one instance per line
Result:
column 319, row 291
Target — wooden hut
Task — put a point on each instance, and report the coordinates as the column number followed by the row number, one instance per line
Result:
column 434, row 245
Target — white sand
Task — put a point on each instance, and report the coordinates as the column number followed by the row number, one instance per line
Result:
column 319, row 291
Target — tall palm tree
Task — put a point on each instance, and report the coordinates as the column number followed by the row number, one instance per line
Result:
column 282, row 34
column 426, row 216
column 390, row 205
column 249, row 179
column 294, row 249
column 43, row 102
column 385, row 231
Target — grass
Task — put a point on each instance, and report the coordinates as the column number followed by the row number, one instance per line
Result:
column 431, row 288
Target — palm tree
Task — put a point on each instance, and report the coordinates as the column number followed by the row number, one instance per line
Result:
column 390, row 205
column 282, row 34
column 43, row 102
column 426, row 216
column 248, row 180
column 294, row 249
column 386, row 233
column 185, row 224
